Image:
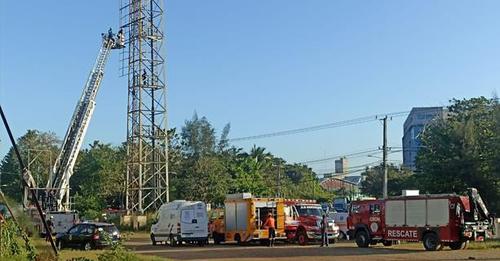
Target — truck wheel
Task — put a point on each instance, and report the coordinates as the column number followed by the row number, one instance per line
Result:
column 459, row 245
column 87, row 246
column 302, row 238
column 362, row 239
column 431, row 242
column 387, row 243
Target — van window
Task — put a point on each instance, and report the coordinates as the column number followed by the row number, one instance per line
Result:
column 187, row 215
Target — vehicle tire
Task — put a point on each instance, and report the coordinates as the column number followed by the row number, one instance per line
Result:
column 362, row 239
column 237, row 238
column 431, row 242
column 153, row 241
column 59, row 245
column 459, row 245
column 302, row 237
column 333, row 240
column 387, row 243
column 87, row 246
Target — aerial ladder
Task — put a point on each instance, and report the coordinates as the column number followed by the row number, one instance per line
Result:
column 57, row 189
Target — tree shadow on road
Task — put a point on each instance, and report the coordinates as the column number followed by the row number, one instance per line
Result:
column 280, row 251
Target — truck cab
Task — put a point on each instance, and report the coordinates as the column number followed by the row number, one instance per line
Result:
column 303, row 222
column 365, row 221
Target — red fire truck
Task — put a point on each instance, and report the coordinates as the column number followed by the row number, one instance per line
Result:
column 436, row 220
column 303, row 221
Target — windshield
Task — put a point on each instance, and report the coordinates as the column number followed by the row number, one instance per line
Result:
column 340, row 207
column 310, row 211
column 109, row 229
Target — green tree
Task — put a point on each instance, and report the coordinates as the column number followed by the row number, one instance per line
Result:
column 198, row 137
column 463, row 151
column 202, row 174
column 99, row 178
column 206, row 181
column 38, row 149
column 397, row 180
column 248, row 177
column 301, row 182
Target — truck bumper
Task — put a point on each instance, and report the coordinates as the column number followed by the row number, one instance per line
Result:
column 317, row 236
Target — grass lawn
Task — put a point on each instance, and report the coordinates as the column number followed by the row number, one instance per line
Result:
column 45, row 251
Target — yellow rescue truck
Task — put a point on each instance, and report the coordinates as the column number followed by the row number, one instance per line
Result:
column 244, row 216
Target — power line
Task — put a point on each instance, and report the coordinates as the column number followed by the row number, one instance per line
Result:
column 339, row 156
column 351, row 155
column 322, row 126
column 353, row 169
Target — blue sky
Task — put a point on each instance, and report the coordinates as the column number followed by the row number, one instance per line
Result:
column 263, row 66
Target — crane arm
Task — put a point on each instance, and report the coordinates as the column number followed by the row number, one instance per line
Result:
column 58, row 183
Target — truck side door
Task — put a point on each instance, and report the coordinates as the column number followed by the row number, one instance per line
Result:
column 375, row 219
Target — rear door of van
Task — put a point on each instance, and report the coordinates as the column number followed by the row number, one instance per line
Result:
column 194, row 221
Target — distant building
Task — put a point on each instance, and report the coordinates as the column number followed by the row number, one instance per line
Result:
column 413, row 127
column 341, row 166
column 347, row 187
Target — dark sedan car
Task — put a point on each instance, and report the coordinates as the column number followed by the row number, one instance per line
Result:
column 88, row 235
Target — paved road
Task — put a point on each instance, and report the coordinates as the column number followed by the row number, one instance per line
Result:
column 340, row 251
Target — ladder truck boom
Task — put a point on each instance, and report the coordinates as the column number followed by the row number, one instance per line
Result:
column 58, row 183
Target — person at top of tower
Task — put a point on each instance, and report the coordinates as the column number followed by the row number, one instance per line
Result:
column 121, row 37
column 111, row 35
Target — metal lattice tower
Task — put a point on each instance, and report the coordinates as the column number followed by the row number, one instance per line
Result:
column 147, row 144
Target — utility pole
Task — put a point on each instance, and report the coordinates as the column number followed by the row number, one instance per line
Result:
column 384, row 156
column 279, row 179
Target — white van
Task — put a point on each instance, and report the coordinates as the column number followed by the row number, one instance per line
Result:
column 181, row 221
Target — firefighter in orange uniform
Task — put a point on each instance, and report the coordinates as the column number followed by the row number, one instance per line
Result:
column 270, row 225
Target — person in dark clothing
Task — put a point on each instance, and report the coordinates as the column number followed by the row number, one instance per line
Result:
column 324, row 231
column 121, row 38
column 50, row 225
column 144, row 77
column 270, row 225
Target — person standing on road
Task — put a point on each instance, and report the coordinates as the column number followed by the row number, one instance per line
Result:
column 324, row 231
column 270, row 225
